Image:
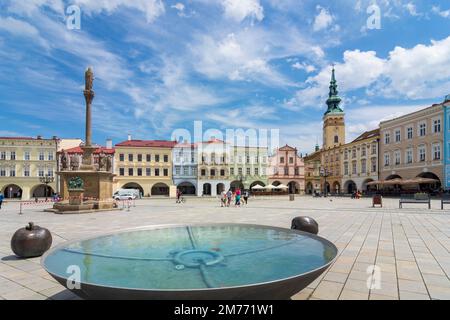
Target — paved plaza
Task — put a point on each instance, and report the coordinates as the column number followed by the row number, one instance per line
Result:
column 409, row 246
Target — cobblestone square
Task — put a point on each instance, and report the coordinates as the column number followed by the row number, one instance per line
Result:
column 408, row 247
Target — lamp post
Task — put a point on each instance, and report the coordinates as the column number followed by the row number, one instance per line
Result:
column 325, row 173
column 47, row 179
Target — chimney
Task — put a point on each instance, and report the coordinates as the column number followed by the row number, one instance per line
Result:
column 129, row 137
column 109, row 144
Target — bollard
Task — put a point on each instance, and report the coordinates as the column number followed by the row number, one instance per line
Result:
column 134, row 202
column 129, row 205
column 20, row 212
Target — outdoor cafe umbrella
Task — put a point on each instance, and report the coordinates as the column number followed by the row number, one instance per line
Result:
column 258, row 187
column 270, row 187
column 420, row 181
column 282, row 186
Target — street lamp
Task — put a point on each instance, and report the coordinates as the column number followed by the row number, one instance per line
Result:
column 325, row 173
column 47, row 179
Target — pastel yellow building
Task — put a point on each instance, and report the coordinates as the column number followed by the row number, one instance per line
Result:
column 23, row 160
column 145, row 165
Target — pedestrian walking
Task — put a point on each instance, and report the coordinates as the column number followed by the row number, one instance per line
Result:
column 246, row 195
column 238, row 198
column 229, row 195
column 223, row 199
column 1, row 199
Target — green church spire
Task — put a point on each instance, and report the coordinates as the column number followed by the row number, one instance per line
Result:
column 334, row 100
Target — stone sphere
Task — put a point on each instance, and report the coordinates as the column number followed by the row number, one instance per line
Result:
column 305, row 224
column 31, row 241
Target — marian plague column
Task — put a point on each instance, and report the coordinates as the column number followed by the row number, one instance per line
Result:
column 89, row 187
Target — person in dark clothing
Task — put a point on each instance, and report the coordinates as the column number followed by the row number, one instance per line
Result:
column 1, row 199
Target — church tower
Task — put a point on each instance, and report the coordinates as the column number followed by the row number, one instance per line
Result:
column 333, row 119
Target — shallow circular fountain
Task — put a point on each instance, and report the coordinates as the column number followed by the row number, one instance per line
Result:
column 217, row 261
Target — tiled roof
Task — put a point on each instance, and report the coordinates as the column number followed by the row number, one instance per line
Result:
column 214, row 141
column 368, row 135
column 23, row 138
column 287, row 148
column 78, row 150
column 147, row 144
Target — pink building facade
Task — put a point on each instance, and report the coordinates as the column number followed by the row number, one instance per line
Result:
column 287, row 168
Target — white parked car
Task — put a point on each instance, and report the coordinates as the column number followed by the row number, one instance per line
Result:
column 125, row 196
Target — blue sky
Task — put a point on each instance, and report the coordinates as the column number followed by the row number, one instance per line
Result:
column 160, row 65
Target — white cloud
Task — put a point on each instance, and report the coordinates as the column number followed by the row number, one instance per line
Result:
column 151, row 8
column 303, row 66
column 323, row 19
column 234, row 59
column 414, row 73
column 22, row 28
column 30, row 6
column 443, row 13
column 179, row 6
column 241, row 9
column 412, row 9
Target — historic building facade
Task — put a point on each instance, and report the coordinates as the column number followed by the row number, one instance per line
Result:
column 312, row 171
column 145, row 165
column 446, row 106
column 23, row 160
column 213, row 167
column 360, row 162
column 248, row 166
column 185, row 167
column 287, row 167
column 411, row 146
column 333, row 139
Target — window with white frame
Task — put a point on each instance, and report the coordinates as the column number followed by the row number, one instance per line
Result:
column 422, row 153
column 374, row 148
column 436, row 125
column 354, row 168
column 248, row 172
column 363, row 166
column 12, row 156
column 26, row 156
column 409, row 156
column 41, row 172
column 50, row 171
column 409, row 132
column 41, row 156
column 177, row 170
column 3, row 155
column 387, row 159
column 387, row 138
column 422, row 129
column 398, row 136
column 12, row 171
column 397, row 157
column 363, row 151
column 50, row 156
column 26, row 170
column 437, row 151
column 354, row 153
column 346, row 168
column 2, row 172
column 186, row 171
column 373, row 164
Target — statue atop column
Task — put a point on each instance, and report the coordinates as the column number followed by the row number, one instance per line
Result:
column 88, row 149
column 89, row 79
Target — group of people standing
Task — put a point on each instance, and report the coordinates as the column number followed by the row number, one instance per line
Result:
column 238, row 197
